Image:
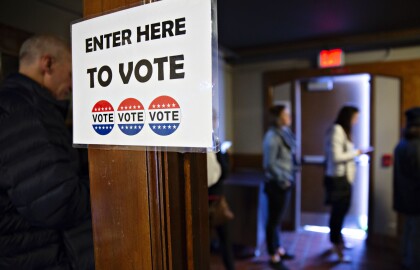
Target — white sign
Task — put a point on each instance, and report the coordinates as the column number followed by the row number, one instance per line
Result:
column 143, row 76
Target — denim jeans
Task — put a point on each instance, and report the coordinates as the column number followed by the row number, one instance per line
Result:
column 278, row 199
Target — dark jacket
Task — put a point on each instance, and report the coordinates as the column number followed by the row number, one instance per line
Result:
column 44, row 194
column 407, row 177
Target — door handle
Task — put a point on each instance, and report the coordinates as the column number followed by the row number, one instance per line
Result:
column 313, row 159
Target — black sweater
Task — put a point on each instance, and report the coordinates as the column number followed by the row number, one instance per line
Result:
column 44, row 196
column 407, row 177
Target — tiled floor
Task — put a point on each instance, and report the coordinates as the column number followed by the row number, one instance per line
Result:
column 312, row 251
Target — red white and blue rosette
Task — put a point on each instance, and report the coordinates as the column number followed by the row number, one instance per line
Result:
column 131, row 116
column 103, row 117
column 164, row 115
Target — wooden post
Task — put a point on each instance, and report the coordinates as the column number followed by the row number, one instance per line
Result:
column 149, row 208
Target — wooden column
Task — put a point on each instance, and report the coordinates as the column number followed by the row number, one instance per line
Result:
column 149, row 208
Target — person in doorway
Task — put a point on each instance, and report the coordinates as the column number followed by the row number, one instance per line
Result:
column 340, row 172
column 278, row 148
column 44, row 190
column 407, row 188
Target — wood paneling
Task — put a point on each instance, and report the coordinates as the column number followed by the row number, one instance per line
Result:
column 247, row 161
column 149, row 208
column 120, row 209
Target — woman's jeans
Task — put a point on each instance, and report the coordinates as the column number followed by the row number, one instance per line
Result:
column 278, row 200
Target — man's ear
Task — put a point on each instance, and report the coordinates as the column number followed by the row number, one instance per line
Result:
column 46, row 63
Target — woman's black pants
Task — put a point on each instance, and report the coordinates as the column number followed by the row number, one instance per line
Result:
column 278, row 199
column 338, row 213
column 338, row 195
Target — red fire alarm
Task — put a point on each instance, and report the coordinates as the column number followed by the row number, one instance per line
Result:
column 386, row 160
column 331, row 58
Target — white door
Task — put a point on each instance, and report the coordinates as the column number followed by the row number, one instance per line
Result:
column 386, row 115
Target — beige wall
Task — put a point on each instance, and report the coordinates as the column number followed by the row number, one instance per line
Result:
column 247, row 100
column 228, row 100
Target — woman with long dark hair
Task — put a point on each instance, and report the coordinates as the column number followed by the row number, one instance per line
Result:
column 278, row 148
column 340, row 172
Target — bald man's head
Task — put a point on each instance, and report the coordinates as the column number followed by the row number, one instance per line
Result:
column 47, row 60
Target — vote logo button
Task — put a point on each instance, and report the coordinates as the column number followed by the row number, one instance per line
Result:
column 164, row 115
column 131, row 116
column 103, row 117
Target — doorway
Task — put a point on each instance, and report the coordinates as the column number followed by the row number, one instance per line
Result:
column 320, row 100
column 314, row 103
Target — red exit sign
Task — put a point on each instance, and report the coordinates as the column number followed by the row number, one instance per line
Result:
column 331, row 58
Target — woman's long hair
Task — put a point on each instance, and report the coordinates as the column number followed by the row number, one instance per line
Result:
column 345, row 117
column 273, row 115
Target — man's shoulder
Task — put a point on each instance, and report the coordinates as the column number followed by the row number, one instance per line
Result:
column 405, row 146
column 411, row 143
column 14, row 95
